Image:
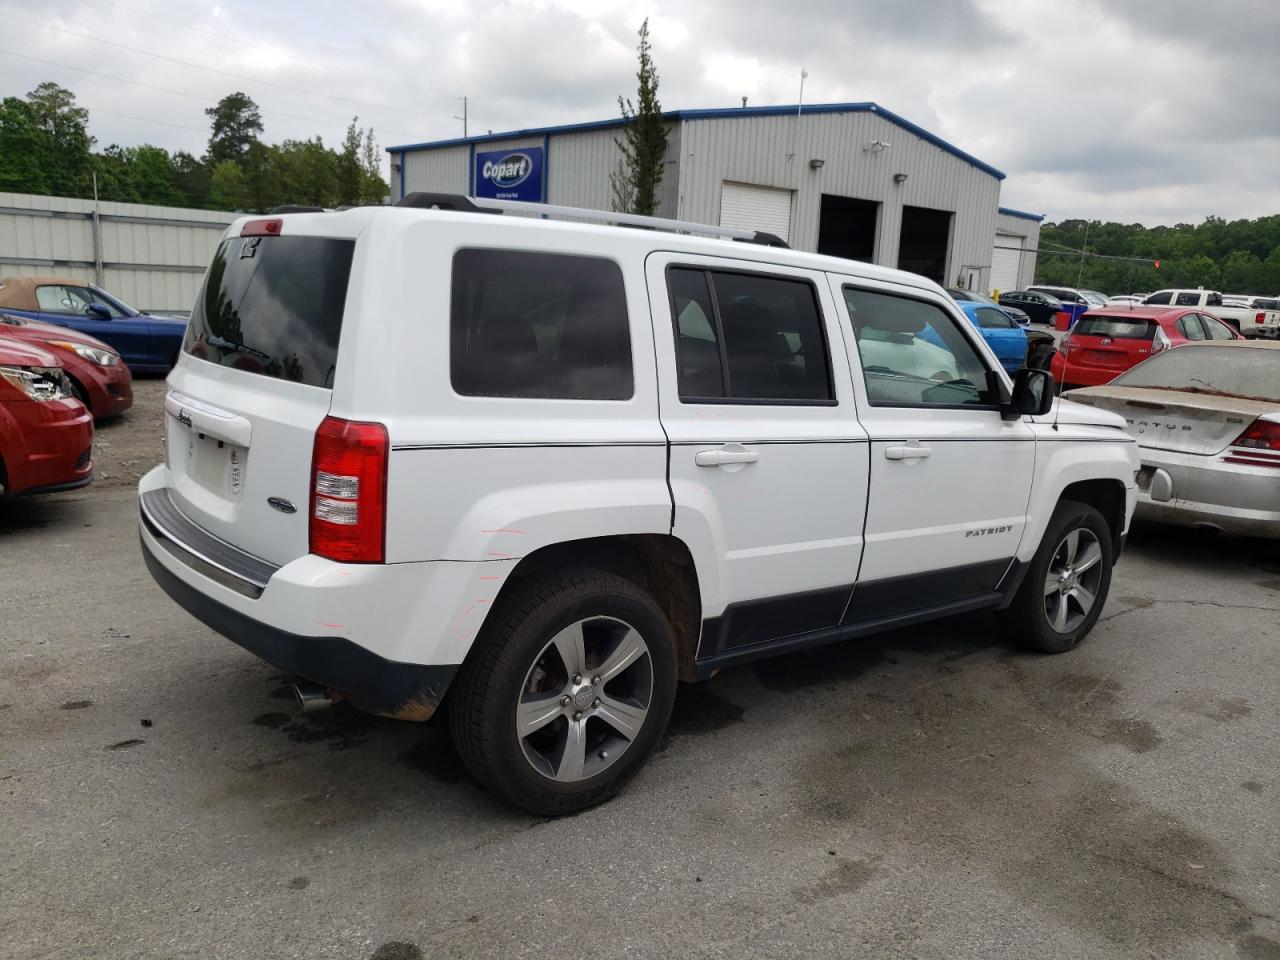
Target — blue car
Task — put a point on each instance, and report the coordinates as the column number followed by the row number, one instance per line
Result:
column 148, row 343
column 1007, row 340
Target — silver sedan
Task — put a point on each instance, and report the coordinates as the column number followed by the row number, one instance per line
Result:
column 1207, row 419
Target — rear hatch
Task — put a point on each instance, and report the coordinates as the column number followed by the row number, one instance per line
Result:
column 253, row 384
column 1177, row 420
column 1113, row 343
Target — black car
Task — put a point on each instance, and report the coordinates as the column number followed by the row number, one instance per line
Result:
column 1040, row 307
column 1017, row 316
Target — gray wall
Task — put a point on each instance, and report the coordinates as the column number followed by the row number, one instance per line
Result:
column 754, row 149
column 1029, row 230
column 153, row 257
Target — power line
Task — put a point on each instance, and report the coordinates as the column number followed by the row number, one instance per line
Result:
column 180, row 93
column 236, row 40
column 225, row 73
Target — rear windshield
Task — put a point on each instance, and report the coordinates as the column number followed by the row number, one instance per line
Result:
column 273, row 306
column 1229, row 371
column 1117, row 328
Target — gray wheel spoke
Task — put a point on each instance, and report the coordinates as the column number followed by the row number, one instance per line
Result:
column 623, row 717
column 1073, row 547
column 573, row 757
column 1059, row 617
column 569, row 644
column 628, row 650
column 533, row 715
column 1051, row 585
column 1089, row 558
column 1084, row 597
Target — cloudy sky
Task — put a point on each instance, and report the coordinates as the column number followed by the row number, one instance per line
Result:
column 1155, row 111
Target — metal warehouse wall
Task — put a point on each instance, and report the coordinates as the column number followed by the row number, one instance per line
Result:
column 152, row 257
column 1029, row 230
column 578, row 168
column 754, row 149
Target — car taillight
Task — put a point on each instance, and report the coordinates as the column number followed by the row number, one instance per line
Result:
column 262, row 228
column 349, row 491
column 1260, row 317
column 1064, row 344
column 1261, row 445
column 1160, row 342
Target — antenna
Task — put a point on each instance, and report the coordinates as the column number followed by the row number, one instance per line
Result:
column 463, row 118
column 1066, row 359
column 795, row 133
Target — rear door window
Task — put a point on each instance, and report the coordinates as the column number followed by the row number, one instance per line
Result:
column 746, row 337
column 1115, row 327
column 273, row 306
column 1216, row 329
column 539, row 325
column 1189, row 327
column 1187, row 299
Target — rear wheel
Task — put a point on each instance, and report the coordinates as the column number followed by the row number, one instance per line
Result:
column 1067, row 583
column 566, row 692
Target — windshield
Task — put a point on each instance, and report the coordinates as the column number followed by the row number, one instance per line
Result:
column 116, row 302
column 1228, row 371
column 273, row 306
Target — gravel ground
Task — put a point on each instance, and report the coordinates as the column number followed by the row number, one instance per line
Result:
column 931, row 793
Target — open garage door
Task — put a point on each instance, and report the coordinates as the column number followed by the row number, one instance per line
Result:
column 1005, row 260
column 749, row 207
column 926, row 237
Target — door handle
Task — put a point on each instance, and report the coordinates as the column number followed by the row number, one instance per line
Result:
column 726, row 454
column 911, row 451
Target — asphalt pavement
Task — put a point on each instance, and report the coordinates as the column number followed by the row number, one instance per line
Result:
column 932, row 793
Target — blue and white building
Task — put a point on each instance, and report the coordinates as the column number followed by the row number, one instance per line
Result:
column 850, row 179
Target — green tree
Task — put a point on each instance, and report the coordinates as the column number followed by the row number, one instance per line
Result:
column 305, row 172
column 228, row 187
column 643, row 145
column 192, row 179
column 21, row 166
column 235, row 124
column 374, row 188
column 350, row 172
column 65, row 140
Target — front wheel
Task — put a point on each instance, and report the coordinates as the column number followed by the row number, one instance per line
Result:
column 1067, row 583
column 566, row 692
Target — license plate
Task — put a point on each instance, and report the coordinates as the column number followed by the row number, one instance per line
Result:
column 215, row 465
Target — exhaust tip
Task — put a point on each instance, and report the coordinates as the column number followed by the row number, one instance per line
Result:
column 311, row 697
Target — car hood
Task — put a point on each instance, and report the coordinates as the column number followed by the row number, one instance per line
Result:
column 1067, row 413
column 23, row 329
column 19, row 353
column 167, row 318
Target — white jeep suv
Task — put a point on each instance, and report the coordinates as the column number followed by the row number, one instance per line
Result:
column 541, row 470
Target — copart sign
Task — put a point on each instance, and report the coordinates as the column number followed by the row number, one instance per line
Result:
column 515, row 174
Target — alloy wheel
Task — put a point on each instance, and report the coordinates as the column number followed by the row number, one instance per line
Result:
column 1074, row 578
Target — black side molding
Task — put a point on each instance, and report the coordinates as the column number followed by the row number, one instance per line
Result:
column 294, row 208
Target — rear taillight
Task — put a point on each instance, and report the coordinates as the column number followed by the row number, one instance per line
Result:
column 349, row 491
column 1064, row 344
column 1260, row 317
column 262, row 228
column 1258, row 446
column 1160, row 342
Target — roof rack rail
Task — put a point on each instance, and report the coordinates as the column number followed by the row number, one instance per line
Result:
column 447, row 201
column 295, row 208
column 423, row 200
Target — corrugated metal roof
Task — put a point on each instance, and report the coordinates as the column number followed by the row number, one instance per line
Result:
column 721, row 114
column 1010, row 212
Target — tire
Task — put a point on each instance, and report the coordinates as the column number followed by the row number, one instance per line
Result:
column 1056, row 620
column 79, row 393
column 517, row 663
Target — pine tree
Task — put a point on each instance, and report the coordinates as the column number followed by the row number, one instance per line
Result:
column 644, row 140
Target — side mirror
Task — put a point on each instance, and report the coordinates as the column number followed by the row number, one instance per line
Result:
column 1032, row 392
column 97, row 311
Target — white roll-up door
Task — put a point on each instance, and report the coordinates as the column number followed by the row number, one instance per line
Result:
column 748, row 207
column 1005, row 261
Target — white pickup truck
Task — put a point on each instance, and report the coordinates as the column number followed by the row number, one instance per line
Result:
column 1260, row 319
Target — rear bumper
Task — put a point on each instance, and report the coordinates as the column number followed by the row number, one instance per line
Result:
column 390, row 637
column 1082, row 374
column 47, row 445
column 1233, row 498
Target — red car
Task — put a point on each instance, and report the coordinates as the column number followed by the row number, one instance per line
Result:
column 1105, row 343
column 46, row 434
column 99, row 378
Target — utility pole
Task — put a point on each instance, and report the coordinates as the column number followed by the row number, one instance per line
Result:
column 795, row 131
column 463, row 118
column 1084, row 249
column 97, row 235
